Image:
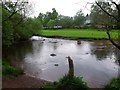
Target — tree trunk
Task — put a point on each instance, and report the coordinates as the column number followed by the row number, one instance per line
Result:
column 113, row 42
column 71, row 67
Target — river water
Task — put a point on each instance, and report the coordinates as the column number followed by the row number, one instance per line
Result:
column 94, row 60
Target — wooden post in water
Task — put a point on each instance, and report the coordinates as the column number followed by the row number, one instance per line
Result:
column 71, row 67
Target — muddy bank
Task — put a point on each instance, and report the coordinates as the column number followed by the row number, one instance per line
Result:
column 22, row 81
column 71, row 38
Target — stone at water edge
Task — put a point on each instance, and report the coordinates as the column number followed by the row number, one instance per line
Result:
column 78, row 42
column 52, row 54
column 55, row 64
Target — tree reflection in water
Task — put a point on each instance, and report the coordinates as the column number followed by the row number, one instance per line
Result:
column 103, row 50
column 16, row 53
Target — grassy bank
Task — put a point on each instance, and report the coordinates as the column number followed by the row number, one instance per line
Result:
column 76, row 33
column 8, row 70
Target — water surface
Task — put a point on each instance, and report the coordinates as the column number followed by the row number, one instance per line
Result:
column 95, row 61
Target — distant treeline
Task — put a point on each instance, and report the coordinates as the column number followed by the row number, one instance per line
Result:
column 17, row 25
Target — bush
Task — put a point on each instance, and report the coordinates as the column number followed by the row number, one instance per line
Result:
column 67, row 83
column 113, row 85
column 7, row 69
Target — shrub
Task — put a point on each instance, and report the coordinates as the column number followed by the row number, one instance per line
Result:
column 114, row 84
column 67, row 83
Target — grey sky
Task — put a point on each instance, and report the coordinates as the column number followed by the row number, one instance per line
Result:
column 64, row 7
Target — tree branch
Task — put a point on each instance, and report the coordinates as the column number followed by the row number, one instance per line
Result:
column 118, row 8
column 14, row 12
column 115, row 44
column 117, row 5
column 21, row 20
column 106, row 12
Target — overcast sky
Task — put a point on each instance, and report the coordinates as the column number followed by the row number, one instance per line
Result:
column 64, row 7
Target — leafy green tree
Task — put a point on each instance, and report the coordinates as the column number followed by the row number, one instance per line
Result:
column 45, row 18
column 48, row 17
column 116, row 15
column 79, row 19
column 54, row 14
column 71, row 22
column 65, row 21
column 15, row 22
column 100, row 18
column 7, row 36
column 25, row 30
column 115, row 7
column 7, row 29
column 51, row 23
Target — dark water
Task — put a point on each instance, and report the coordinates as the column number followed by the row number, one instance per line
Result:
column 95, row 61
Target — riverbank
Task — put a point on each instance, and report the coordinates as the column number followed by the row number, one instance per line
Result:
column 14, row 77
column 25, row 81
column 22, row 81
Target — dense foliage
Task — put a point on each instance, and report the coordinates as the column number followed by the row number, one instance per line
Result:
column 16, row 26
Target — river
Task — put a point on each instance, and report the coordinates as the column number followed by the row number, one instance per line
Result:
column 94, row 60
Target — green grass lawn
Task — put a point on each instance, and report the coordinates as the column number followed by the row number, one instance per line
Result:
column 79, row 33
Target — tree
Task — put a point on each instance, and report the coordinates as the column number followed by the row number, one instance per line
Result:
column 116, row 16
column 51, row 24
column 20, row 7
column 65, row 21
column 54, row 14
column 116, row 6
column 79, row 19
column 15, row 22
column 99, row 18
column 45, row 18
